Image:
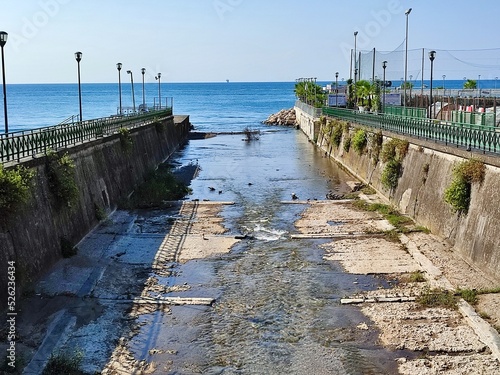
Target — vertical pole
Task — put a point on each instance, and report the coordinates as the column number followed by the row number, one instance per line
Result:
column 422, row 78
column 350, row 67
column 4, row 95
column 79, row 91
column 373, row 66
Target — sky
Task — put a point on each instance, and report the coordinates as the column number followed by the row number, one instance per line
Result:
column 239, row 40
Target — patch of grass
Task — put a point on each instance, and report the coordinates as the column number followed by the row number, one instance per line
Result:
column 489, row 291
column 61, row 176
column 161, row 185
column 437, row 298
column 469, row 295
column 15, row 188
column 484, row 315
column 400, row 222
column 64, row 363
column 416, row 277
column 368, row 190
column 100, row 213
column 359, row 141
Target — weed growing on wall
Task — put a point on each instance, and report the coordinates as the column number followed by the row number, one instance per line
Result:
column 64, row 363
column 358, row 141
column 376, row 141
column 336, row 133
column 61, row 176
column 15, row 185
column 458, row 194
column 393, row 153
column 126, row 140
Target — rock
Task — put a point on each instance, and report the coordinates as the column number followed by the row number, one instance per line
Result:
column 285, row 117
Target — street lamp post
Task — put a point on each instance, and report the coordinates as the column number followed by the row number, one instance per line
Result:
column 119, row 67
column 407, row 13
column 411, row 86
column 336, row 89
column 143, row 71
column 3, row 40
column 158, row 78
column 355, row 60
column 133, row 93
column 78, row 57
column 384, row 65
column 432, row 56
column 444, row 87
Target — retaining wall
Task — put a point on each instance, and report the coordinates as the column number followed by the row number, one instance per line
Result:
column 106, row 172
column 426, row 174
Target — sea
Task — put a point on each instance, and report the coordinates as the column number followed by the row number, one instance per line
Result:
column 219, row 106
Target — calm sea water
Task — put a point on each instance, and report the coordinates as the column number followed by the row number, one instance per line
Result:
column 211, row 106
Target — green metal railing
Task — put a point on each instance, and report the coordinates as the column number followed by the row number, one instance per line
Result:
column 405, row 111
column 469, row 136
column 15, row 146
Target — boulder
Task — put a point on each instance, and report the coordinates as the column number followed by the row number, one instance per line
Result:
column 284, row 117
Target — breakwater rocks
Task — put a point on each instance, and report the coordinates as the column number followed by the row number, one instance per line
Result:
column 285, row 117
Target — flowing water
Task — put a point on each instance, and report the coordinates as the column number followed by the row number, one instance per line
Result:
column 278, row 302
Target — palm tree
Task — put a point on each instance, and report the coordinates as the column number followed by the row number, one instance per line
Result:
column 470, row 84
column 364, row 93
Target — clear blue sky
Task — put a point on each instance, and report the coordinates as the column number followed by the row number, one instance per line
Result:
column 240, row 40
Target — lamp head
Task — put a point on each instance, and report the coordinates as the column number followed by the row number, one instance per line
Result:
column 129, row 72
column 336, row 74
column 355, row 33
column 119, row 66
column 432, row 55
column 384, row 64
column 78, row 56
column 408, row 11
column 3, row 38
column 143, row 71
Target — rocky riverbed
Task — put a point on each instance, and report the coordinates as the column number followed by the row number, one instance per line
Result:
column 285, row 117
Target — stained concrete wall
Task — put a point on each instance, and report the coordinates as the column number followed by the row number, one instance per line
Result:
column 426, row 173
column 105, row 174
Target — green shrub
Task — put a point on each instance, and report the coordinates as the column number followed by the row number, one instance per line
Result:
column 337, row 131
column 126, row 139
column 61, row 176
column 390, row 175
column 64, row 363
column 359, row 141
column 161, row 185
column 67, row 248
column 416, row 277
column 394, row 149
column 437, row 298
column 468, row 295
column 15, row 186
column 347, row 143
column 376, row 141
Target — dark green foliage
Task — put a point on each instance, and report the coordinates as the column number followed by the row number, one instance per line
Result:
column 390, row 175
column 458, row 194
column 160, row 186
column 15, row 185
column 67, row 248
column 438, row 298
column 337, row 132
column 63, row 363
column 100, row 213
column 376, row 141
column 359, row 141
column 61, row 176
column 347, row 143
column 394, row 149
column 126, row 140
column 469, row 295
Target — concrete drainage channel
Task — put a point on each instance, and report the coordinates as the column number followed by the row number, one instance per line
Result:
column 128, row 269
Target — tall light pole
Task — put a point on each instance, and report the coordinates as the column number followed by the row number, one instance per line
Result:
column 411, row 86
column 432, row 56
column 78, row 57
column 119, row 67
column 407, row 13
column 336, row 89
column 3, row 40
column 158, row 78
column 355, row 60
column 143, row 71
column 384, row 65
column 444, row 87
column 133, row 93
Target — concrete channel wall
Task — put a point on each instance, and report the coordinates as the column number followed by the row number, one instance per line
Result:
column 106, row 172
column 426, row 174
